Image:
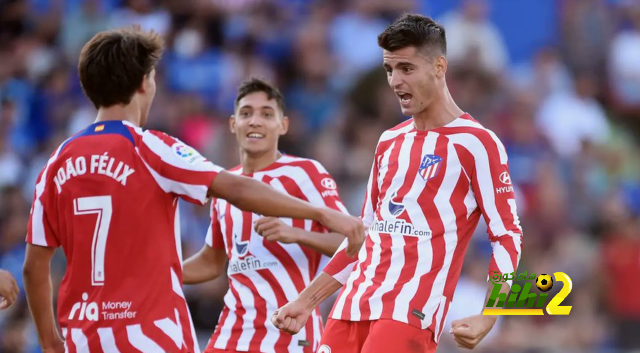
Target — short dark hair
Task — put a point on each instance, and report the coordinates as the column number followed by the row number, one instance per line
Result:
column 113, row 64
column 253, row 85
column 414, row 30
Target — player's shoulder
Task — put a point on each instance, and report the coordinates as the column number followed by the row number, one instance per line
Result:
column 400, row 129
column 151, row 136
column 308, row 173
column 235, row 170
column 465, row 124
column 163, row 144
column 113, row 131
column 155, row 136
column 468, row 132
column 307, row 165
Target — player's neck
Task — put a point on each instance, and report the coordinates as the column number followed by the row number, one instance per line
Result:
column 130, row 113
column 252, row 163
column 440, row 113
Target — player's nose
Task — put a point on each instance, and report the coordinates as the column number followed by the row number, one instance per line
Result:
column 255, row 120
column 395, row 79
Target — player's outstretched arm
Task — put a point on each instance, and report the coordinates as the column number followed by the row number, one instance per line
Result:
column 292, row 317
column 273, row 229
column 8, row 289
column 37, row 285
column 204, row 266
column 254, row 196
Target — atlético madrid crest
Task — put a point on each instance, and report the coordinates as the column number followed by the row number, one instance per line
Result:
column 430, row 166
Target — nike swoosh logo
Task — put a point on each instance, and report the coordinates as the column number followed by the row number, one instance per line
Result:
column 390, row 164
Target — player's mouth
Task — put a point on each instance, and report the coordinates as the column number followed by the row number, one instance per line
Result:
column 255, row 136
column 405, row 98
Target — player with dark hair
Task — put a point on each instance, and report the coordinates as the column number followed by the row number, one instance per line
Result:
column 109, row 197
column 432, row 178
column 270, row 259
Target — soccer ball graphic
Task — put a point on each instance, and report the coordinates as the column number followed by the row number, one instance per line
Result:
column 544, row 282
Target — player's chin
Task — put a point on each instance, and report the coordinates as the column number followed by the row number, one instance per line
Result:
column 407, row 111
column 254, row 147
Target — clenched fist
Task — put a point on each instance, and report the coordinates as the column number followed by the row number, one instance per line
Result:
column 273, row 229
column 468, row 332
column 291, row 318
column 8, row 289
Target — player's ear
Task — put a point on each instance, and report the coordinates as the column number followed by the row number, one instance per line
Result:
column 232, row 123
column 144, row 84
column 284, row 125
column 441, row 64
column 146, row 81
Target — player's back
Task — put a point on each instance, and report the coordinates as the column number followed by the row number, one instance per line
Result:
column 102, row 199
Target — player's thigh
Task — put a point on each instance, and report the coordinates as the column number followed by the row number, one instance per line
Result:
column 398, row 337
column 341, row 336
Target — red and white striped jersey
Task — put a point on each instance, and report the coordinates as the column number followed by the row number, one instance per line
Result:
column 108, row 197
column 263, row 275
column 425, row 195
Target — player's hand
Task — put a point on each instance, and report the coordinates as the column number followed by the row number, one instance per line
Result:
column 8, row 289
column 291, row 318
column 347, row 225
column 468, row 332
column 273, row 229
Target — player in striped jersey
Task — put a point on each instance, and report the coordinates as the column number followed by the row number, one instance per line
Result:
column 432, row 178
column 271, row 260
column 108, row 196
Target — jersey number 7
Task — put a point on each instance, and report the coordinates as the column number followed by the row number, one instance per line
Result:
column 101, row 206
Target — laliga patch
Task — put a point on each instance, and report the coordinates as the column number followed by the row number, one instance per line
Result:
column 187, row 153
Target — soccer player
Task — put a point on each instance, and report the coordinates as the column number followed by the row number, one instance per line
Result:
column 108, row 196
column 432, row 177
column 8, row 289
column 271, row 260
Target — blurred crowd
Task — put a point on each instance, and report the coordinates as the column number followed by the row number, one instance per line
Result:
column 568, row 113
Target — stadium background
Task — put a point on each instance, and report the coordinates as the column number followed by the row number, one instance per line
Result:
column 557, row 80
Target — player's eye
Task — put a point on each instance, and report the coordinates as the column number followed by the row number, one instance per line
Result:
column 267, row 115
column 407, row 69
column 244, row 114
column 389, row 71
